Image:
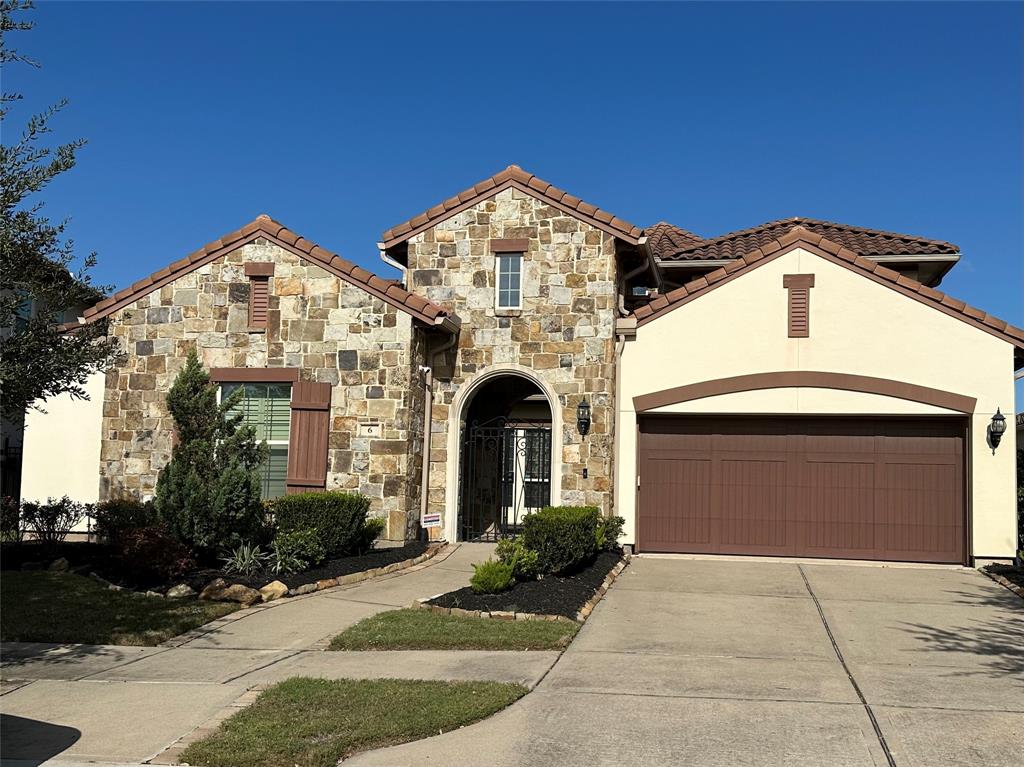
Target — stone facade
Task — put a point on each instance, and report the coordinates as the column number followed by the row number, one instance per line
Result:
column 564, row 332
column 333, row 332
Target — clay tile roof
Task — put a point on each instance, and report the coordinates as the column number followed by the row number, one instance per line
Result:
column 804, row 236
column 664, row 239
column 863, row 242
column 512, row 176
column 263, row 226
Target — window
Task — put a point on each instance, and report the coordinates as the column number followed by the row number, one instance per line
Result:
column 267, row 408
column 510, row 267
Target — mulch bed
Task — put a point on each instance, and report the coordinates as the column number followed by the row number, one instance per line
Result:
column 552, row 595
column 101, row 559
column 1014, row 575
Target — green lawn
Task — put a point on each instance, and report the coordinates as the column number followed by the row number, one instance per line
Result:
column 62, row 607
column 427, row 630
column 316, row 722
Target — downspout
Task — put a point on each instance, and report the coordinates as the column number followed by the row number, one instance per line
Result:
column 624, row 328
column 428, row 418
column 391, row 262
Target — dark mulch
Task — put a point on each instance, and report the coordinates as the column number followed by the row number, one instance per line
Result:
column 102, row 559
column 1014, row 575
column 552, row 595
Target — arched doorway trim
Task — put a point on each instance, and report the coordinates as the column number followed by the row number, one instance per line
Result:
column 457, row 414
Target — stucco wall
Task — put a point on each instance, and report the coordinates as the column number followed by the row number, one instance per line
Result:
column 856, row 326
column 62, row 447
column 331, row 331
column 563, row 335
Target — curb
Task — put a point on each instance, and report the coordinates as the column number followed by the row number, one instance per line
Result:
column 505, row 615
column 1002, row 580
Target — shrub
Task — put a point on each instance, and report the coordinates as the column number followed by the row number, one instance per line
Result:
column 491, row 577
column 564, row 537
column 11, row 530
column 52, row 521
column 296, row 550
column 245, row 559
column 524, row 561
column 373, row 528
column 119, row 515
column 208, row 495
column 609, row 530
column 338, row 518
column 152, row 555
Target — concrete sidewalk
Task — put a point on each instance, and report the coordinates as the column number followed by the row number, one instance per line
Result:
column 125, row 704
column 719, row 663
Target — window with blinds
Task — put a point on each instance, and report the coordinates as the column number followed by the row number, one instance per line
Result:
column 267, row 409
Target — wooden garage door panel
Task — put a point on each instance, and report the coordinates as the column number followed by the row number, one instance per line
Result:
column 846, row 488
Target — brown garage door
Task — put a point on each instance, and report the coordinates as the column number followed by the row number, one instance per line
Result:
column 846, row 488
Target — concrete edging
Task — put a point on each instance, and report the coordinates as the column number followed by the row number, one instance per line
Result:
column 1005, row 582
column 505, row 615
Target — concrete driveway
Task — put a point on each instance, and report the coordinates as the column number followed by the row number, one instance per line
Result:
column 715, row 662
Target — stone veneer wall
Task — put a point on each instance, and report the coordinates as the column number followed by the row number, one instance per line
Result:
column 333, row 331
column 564, row 332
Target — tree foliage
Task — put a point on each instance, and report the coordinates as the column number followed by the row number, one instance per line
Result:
column 37, row 359
column 209, row 494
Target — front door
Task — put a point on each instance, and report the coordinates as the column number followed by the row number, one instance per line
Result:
column 506, row 474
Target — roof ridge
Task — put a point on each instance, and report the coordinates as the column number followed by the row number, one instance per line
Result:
column 513, row 175
column 800, row 234
column 382, row 288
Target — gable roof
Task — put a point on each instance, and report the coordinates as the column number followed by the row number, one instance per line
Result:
column 512, row 177
column 664, row 239
column 264, row 226
column 862, row 241
column 801, row 237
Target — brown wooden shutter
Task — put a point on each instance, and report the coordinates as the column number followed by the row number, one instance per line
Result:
column 799, row 287
column 307, row 443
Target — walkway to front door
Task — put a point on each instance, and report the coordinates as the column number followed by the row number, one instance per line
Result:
column 725, row 663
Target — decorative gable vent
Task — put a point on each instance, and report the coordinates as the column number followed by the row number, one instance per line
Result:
column 259, row 293
column 799, row 287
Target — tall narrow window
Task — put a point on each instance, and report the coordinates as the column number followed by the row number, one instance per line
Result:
column 509, row 282
column 259, row 274
column 266, row 407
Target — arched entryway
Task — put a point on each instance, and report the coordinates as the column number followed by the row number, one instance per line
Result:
column 505, row 456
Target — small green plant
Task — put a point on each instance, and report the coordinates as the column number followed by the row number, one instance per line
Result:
column 373, row 528
column 337, row 517
column 609, row 530
column 52, row 521
column 246, row 559
column 513, row 552
column 11, row 530
column 117, row 516
column 491, row 577
column 296, row 550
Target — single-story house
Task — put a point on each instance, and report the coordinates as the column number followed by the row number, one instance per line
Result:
column 797, row 388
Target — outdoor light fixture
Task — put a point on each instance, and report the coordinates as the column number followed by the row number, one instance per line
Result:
column 997, row 428
column 583, row 417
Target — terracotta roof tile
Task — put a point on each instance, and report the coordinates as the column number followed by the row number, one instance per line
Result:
column 512, row 176
column 862, row 241
column 388, row 290
column 799, row 235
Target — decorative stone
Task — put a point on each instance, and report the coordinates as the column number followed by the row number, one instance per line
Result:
column 305, row 588
column 154, row 594
column 326, row 583
column 273, row 590
column 59, row 566
column 180, row 591
column 236, row 592
column 214, row 587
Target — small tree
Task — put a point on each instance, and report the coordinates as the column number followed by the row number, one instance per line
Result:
column 209, row 493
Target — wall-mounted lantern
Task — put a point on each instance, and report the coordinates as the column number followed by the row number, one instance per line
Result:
column 583, row 417
column 996, row 429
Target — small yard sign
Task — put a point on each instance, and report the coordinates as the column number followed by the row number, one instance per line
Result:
column 431, row 520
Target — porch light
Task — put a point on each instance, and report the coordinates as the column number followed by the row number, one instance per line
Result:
column 583, row 417
column 997, row 428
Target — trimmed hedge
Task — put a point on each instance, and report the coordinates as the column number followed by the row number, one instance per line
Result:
column 338, row 518
column 564, row 537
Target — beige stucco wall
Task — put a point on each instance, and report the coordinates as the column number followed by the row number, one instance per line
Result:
column 62, row 447
column 857, row 327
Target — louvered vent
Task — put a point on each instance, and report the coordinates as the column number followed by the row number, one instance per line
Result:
column 259, row 300
column 799, row 287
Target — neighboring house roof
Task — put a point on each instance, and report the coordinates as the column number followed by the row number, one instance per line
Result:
column 863, row 242
column 802, row 237
column 512, row 177
column 664, row 239
column 388, row 291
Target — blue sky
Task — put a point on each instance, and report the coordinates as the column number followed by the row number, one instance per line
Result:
column 341, row 120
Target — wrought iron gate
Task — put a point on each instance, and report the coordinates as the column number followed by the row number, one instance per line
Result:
column 506, row 473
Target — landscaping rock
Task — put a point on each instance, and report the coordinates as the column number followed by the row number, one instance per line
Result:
column 180, row 591
column 154, row 594
column 244, row 595
column 213, row 588
column 59, row 565
column 273, row 590
column 305, row 588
